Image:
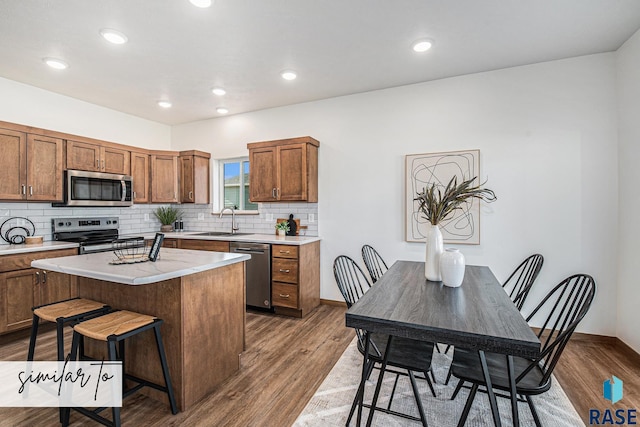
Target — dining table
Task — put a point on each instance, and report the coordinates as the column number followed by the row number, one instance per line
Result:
column 477, row 316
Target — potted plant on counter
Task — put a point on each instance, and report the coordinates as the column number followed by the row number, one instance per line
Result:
column 167, row 216
column 282, row 228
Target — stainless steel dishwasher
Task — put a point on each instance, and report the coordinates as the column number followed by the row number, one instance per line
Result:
column 258, row 272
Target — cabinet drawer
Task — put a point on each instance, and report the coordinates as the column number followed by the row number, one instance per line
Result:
column 23, row 261
column 205, row 245
column 284, row 251
column 284, row 295
column 284, row 270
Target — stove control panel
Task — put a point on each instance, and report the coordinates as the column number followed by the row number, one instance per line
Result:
column 84, row 224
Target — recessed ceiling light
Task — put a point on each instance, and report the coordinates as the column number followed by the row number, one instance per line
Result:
column 218, row 91
column 58, row 64
column 113, row 36
column 164, row 104
column 422, row 45
column 288, row 75
column 222, row 110
column 201, row 3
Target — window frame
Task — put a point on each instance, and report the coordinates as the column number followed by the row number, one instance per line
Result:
column 219, row 205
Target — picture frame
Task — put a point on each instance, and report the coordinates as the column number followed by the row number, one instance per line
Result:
column 155, row 247
column 463, row 227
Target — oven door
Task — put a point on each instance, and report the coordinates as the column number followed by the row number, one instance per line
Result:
column 97, row 189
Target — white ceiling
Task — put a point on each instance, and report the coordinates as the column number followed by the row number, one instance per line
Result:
column 179, row 52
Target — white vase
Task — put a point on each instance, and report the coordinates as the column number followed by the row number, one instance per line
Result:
column 435, row 248
column 282, row 233
column 452, row 267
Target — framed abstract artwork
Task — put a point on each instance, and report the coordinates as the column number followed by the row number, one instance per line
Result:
column 463, row 227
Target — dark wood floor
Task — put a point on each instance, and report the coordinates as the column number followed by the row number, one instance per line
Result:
column 287, row 359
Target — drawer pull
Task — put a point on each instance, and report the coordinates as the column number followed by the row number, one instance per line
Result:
column 284, row 296
column 285, row 252
column 284, row 271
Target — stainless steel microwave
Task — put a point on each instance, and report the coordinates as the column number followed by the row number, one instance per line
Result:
column 84, row 188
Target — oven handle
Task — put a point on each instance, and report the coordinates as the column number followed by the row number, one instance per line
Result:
column 124, row 190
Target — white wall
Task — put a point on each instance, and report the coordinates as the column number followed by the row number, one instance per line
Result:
column 628, row 61
column 548, row 142
column 31, row 106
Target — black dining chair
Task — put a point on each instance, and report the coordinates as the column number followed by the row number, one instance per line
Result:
column 374, row 262
column 518, row 285
column 405, row 354
column 565, row 306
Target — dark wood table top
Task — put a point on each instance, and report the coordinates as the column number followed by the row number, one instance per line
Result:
column 477, row 315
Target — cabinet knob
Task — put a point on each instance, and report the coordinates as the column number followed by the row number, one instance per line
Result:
column 37, row 277
column 273, row 192
column 134, row 195
column 284, row 271
column 190, row 195
column 284, row 296
column 24, row 189
column 44, row 277
column 31, row 190
column 103, row 167
column 285, row 252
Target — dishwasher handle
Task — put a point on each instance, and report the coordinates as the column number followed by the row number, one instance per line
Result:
column 248, row 250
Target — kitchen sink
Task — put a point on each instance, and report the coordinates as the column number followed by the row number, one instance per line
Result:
column 220, row 233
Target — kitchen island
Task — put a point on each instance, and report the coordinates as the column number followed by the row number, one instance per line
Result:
column 199, row 295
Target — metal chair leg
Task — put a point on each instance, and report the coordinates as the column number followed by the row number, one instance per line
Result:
column 32, row 339
column 457, row 390
column 417, row 396
column 426, row 377
column 111, row 345
column 467, row 406
column 393, row 391
column 165, row 370
column 446, row 382
column 536, row 418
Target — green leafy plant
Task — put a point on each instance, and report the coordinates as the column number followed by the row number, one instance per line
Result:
column 437, row 204
column 284, row 225
column 168, row 215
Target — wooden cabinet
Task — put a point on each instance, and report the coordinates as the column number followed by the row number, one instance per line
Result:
column 295, row 278
column 30, row 167
column 284, row 170
column 23, row 287
column 97, row 158
column 164, row 178
column 140, row 173
column 194, row 177
column 170, row 243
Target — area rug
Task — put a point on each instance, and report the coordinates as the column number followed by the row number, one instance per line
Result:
column 331, row 403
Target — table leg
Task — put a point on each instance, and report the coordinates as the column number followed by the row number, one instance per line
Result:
column 490, row 393
column 358, row 400
column 514, row 394
column 379, row 385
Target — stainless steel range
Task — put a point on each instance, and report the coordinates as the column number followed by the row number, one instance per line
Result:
column 95, row 234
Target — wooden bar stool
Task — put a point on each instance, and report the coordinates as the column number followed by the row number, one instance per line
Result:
column 114, row 328
column 63, row 312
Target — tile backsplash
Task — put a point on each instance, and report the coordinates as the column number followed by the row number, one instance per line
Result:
column 140, row 218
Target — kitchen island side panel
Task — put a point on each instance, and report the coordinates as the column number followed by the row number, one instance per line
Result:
column 200, row 352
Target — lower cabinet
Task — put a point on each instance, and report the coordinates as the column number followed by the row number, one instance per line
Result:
column 205, row 245
column 23, row 288
column 295, row 278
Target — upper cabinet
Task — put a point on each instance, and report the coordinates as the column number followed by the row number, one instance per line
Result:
column 164, row 178
column 284, row 170
column 140, row 174
column 97, row 158
column 31, row 167
column 194, row 177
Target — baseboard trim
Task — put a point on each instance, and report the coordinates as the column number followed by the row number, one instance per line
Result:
column 333, row 302
column 603, row 340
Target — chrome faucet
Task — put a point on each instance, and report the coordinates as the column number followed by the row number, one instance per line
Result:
column 234, row 226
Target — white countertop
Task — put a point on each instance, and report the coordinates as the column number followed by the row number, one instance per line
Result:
column 258, row 238
column 46, row 246
column 171, row 263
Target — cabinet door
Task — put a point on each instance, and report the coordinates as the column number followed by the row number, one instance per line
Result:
column 53, row 287
column 17, row 297
column 262, row 179
column 164, row 179
column 187, row 187
column 205, row 245
column 115, row 160
column 44, row 168
column 83, row 156
column 140, row 174
column 13, row 164
column 292, row 176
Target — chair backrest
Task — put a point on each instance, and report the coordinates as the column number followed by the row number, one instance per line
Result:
column 374, row 262
column 521, row 280
column 350, row 278
column 566, row 305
